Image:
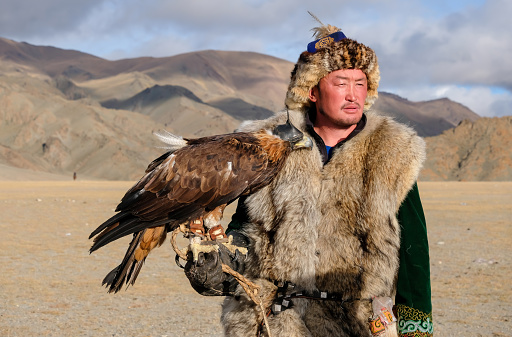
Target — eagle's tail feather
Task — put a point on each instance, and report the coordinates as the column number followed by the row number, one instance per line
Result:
column 123, row 272
column 113, row 220
column 126, row 273
column 114, row 231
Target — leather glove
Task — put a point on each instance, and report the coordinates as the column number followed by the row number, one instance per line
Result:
column 206, row 275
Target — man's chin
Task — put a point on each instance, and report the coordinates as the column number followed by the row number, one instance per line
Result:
column 349, row 119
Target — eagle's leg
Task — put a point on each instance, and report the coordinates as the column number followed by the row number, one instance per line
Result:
column 210, row 222
column 197, row 235
column 201, row 243
column 197, row 231
column 216, row 232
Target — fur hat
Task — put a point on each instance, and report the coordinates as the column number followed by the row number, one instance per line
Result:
column 332, row 51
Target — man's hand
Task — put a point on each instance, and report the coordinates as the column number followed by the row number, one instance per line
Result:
column 206, row 276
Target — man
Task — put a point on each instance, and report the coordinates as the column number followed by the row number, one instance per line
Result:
column 341, row 230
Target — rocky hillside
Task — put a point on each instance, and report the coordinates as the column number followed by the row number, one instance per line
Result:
column 473, row 151
column 41, row 130
column 63, row 111
column 429, row 118
column 237, row 85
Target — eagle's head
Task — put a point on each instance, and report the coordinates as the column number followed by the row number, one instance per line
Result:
column 288, row 132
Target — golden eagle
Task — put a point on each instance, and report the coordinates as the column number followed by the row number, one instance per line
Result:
column 191, row 184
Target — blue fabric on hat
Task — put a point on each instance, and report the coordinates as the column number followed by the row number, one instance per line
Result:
column 316, row 45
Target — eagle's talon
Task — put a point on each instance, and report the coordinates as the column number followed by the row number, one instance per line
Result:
column 197, row 248
column 234, row 248
column 223, row 240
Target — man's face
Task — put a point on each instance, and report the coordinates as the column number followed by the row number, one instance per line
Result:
column 339, row 98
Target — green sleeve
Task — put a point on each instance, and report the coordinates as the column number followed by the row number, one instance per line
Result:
column 413, row 303
column 239, row 217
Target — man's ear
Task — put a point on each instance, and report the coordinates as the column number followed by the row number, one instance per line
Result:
column 313, row 94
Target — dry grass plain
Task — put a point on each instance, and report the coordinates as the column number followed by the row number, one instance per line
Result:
column 51, row 286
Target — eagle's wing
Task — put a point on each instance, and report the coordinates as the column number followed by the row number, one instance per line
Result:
column 179, row 187
column 185, row 183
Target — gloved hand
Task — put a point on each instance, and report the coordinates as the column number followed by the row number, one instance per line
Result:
column 206, row 275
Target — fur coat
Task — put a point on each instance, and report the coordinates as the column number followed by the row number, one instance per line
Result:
column 329, row 228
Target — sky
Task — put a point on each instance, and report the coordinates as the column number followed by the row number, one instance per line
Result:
column 427, row 49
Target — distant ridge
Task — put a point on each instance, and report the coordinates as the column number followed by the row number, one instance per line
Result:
column 96, row 116
column 429, row 118
column 154, row 95
column 253, row 82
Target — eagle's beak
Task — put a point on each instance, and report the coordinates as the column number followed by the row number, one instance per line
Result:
column 305, row 142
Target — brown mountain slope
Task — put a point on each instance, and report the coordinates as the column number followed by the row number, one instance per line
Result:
column 254, row 82
column 428, row 118
column 167, row 103
column 42, row 131
column 53, row 61
column 473, row 151
column 53, row 97
column 255, row 78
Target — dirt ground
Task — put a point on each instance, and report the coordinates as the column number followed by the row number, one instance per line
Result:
column 51, row 286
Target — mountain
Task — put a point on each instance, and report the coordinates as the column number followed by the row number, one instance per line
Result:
column 41, row 130
column 255, row 78
column 428, row 118
column 242, row 85
column 63, row 111
column 473, row 151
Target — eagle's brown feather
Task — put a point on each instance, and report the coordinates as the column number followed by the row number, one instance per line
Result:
column 184, row 185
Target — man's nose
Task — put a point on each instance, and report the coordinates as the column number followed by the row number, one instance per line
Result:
column 350, row 95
